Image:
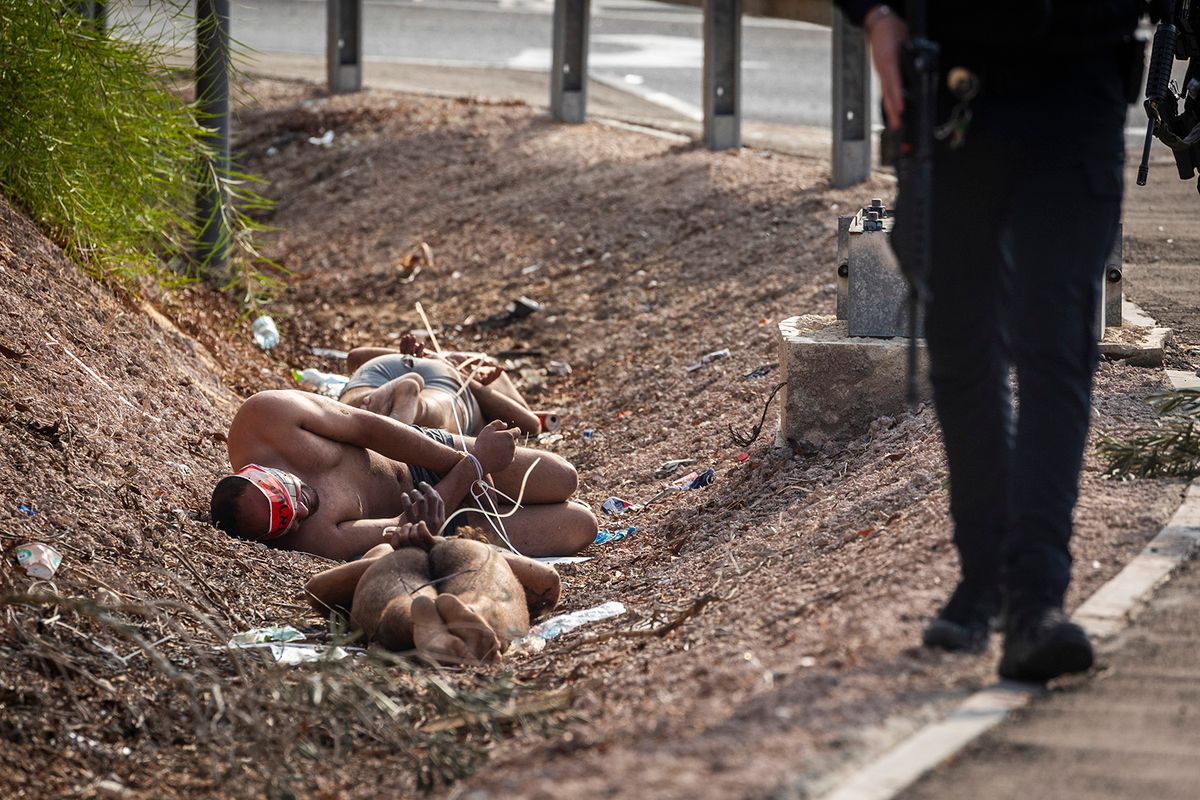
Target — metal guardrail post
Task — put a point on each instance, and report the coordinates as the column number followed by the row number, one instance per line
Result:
column 722, row 74
column 568, row 70
column 851, row 104
column 343, row 45
column 212, row 101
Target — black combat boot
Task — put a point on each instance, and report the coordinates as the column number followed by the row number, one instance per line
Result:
column 964, row 624
column 1042, row 643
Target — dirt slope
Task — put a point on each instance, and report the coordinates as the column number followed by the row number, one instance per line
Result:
column 788, row 595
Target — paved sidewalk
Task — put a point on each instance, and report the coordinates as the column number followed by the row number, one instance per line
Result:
column 533, row 87
column 1131, row 731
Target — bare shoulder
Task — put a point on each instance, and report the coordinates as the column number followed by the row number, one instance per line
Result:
column 270, row 425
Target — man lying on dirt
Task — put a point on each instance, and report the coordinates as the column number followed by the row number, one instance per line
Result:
column 455, row 391
column 315, row 475
column 453, row 601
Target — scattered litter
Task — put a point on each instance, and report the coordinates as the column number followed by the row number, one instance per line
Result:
column 615, row 506
column 272, row 151
column 325, row 352
column 588, row 433
column 293, row 654
column 532, row 268
column 693, row 480
column 669, row 468
column 326, row 383
column 564, row 559
column 520, row 308
column 746, row 441
column 539, row 634
column 549, row 438
column 265, row 334
column 38, row 560
column 260, row 636
column 761, row 372
column 808, row 661
column 604, row 535
column 532, row 378
column 27, row 510
column 88, row 743
column 1096, row 565
column 519, row 354
column 549, row 420
column 559, row 368
column 324, row 140
column 743, row 456
column 708, row 358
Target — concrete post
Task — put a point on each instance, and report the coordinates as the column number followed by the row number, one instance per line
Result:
column 851, row 104
column 343, row 45
column 723, row 74
column 568, row 71
column 212, row 101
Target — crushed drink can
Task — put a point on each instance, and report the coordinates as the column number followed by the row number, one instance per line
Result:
column 38, row 560
column 615, row 506
column 694, row 480
column 549, row 421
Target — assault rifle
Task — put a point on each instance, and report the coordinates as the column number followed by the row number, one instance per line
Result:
column 1177, row 36
column 913, row 230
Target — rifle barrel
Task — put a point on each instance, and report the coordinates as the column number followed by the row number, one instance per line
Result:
column 1144, row 167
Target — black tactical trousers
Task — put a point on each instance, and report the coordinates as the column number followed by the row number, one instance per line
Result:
column 1025, row 213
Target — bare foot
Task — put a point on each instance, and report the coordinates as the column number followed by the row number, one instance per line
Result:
column 433, row 639
column 470, row 628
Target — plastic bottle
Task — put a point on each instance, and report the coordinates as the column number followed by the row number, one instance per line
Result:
column 326, row 383
column 265, row 334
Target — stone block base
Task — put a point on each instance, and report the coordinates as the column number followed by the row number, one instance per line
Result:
column 836, row 384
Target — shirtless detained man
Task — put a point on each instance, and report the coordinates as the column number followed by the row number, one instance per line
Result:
column 453, row 601
column 325, row 478
column 455, row 391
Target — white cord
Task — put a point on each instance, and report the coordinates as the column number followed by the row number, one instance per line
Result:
column 496, row 514
column 479, row 489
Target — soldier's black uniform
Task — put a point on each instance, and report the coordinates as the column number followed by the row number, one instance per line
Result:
column 1025, row 212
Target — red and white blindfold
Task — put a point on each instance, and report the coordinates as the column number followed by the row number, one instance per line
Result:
column 283, row 506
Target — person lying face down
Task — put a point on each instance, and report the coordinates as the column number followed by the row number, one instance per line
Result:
column 452, row 601
column 456, row 391
column 318, row 476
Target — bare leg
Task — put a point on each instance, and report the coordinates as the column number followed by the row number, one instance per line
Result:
column 558, row 529
column 334, row 588
column 406, row 399
column 511, row 409
column 540, row 581
column 553, row 480
column 383, row 600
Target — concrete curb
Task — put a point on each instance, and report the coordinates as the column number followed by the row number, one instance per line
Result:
column 1103, row 614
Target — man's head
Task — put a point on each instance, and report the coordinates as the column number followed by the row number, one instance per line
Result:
column 261, row 503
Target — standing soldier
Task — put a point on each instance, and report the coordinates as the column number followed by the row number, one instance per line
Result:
column 1025, row 201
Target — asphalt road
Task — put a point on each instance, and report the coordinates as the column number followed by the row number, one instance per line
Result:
column 651, row 49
